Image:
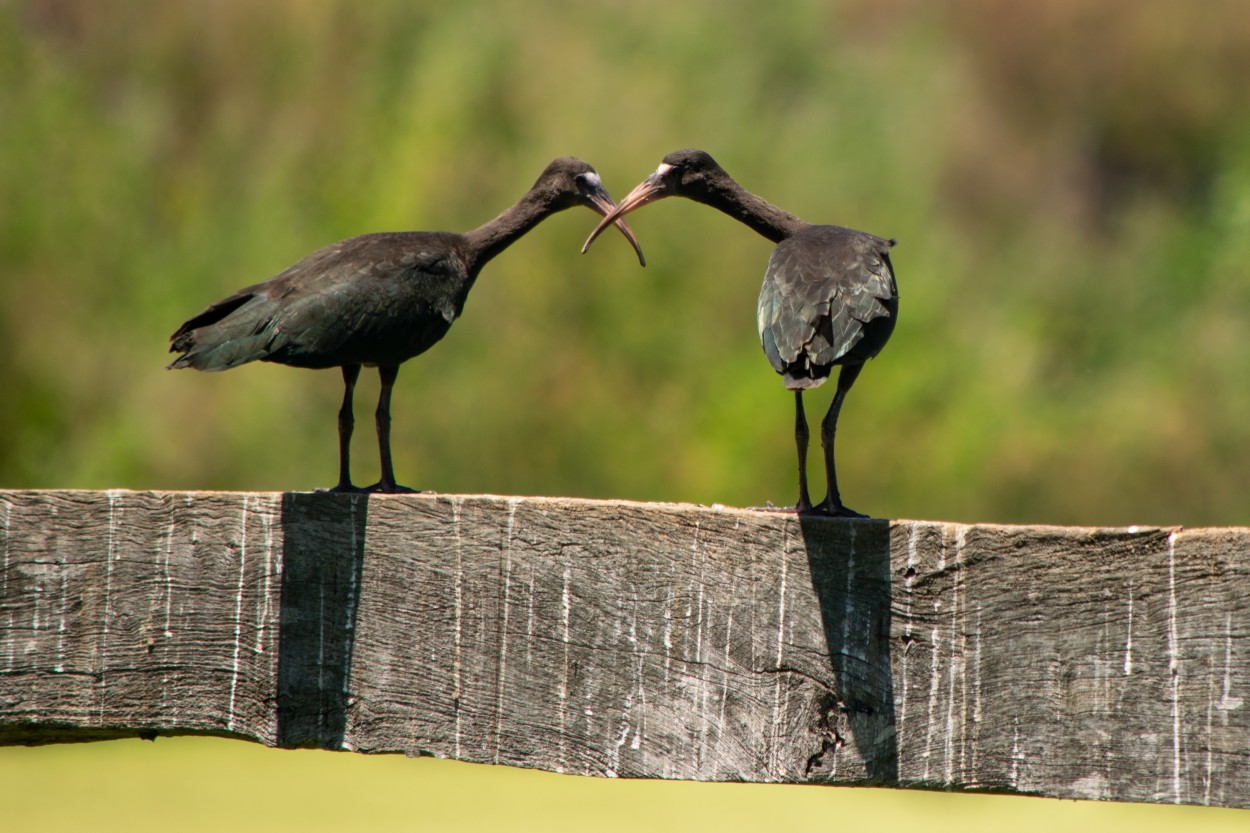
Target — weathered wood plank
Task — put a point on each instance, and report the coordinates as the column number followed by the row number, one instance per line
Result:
column 641, row 640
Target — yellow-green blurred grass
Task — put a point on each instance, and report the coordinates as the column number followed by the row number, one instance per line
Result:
column 193, row 784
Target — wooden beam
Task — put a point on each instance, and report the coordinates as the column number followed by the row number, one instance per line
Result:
column 641, row 640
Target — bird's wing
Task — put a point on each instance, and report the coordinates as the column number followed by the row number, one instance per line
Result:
column 356, row 306
column 819, row 290
column 321, row 310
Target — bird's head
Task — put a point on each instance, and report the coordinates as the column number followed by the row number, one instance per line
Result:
column 692, row 174
column 569, row 182
column 684, row 173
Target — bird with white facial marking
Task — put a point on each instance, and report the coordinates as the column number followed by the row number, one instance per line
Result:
column 375, row 300
column 829, row 297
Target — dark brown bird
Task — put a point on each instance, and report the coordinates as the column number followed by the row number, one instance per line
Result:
column 374, row 300
column 829, row 296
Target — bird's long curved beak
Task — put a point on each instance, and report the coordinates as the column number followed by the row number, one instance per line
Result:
column 602, row 203
column 650, row 189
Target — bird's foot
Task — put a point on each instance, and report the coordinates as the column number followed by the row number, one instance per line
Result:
column 384, row 487
column 829, row 509
column 344, row 489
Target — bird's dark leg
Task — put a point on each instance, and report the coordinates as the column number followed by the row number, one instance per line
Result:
column 801, row 437
column 351, row 372
column 832, row 504
column 383, row 420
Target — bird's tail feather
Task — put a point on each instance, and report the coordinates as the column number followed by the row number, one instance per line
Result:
column 225, row 335
column 224, row 355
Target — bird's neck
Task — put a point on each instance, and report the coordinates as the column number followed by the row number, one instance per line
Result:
column 765, row 218
column 485, row 242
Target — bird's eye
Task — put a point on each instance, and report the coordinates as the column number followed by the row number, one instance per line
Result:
column 580, row 179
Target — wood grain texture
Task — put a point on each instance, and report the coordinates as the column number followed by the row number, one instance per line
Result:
column 640, row 640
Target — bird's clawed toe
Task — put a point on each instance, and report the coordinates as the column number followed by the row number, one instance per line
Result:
column 379, row 488
column 829, row 509
column 344, row 489
column 385, row 488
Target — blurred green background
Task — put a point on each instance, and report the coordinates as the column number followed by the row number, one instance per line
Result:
column 1069, row 183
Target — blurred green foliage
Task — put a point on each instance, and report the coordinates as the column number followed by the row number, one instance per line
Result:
column 1069, row 183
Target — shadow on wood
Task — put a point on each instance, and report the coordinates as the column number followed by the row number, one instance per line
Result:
column 639, row 640
column 322, row 559
column 850, row 570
